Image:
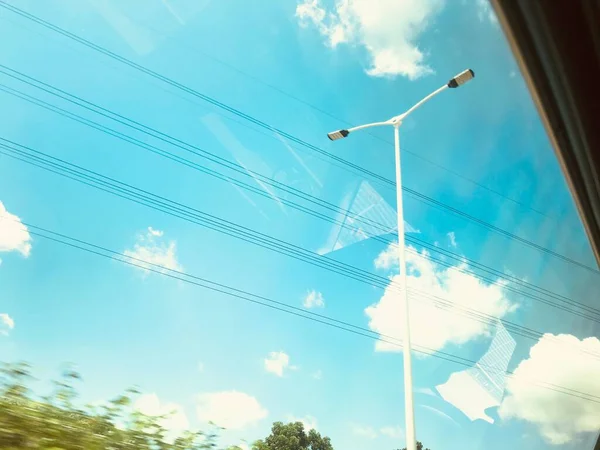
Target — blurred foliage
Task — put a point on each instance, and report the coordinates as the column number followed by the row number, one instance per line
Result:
column 419, row 446
column 56, row 422
column 292, row 436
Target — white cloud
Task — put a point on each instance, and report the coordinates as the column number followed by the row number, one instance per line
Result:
column 432, row 326
column 277, row 362
column 176, row 420
column 7, row 324
column 314, row 299
column 200, row 367
column 150, row 250
column 309, row 422
column 452, row 239
column 364, row 431
column 317, row 375
column 156, row 233
column 387, row 29
column 14, row 236
column 388, row 258
column 393, row 432
column 230, row 409
column 560, row 417
column 485, row 11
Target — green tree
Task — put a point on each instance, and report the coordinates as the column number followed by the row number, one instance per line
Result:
column 419, row 446
column 292, row 436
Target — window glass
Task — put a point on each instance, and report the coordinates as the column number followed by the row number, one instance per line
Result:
column 186, row 255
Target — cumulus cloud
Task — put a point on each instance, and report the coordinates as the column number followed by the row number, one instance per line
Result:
column 156, row 233
column 175, row 420
column 14, row 236
column 432, row 326
column 277, row 362
column 559, row 417
column 369, row 432
column 7, row 324
column 388, row 258
column 364, row 431
column 314, row 299
column 387, row 29
column 150, row 249
column 452, row 239
column 309, row 422
column 392, row 432
column 230, row 409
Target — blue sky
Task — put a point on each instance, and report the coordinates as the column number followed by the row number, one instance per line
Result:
column 305, row 68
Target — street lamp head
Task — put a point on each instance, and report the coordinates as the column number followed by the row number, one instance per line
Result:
column 339, row 134
column 461, row 78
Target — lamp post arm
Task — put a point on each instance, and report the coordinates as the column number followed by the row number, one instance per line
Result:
column 369, row 125
column 419, row 103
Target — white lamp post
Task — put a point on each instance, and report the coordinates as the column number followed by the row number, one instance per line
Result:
column 396, row 121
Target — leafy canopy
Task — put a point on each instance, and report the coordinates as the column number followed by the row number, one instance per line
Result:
column 292, row 436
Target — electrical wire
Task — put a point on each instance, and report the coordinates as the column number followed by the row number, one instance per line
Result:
column 186, row 211
column 348, row 123
column 214, row 102
column 147, row 201
column 431, row 201
column 293, row 191
column 286, row 308
column 195, row 93
column 169, row 139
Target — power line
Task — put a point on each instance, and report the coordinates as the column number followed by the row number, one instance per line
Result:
column 205, row 154
column 456, row 309
column 380, row 280
column 500, row 274
column 346, row 122
column 203, row 169
column 345, row 225
column 448, row 305
column 187, row 213
column 193, row 92
column 169, row 140
column 283, row 307
column 298, row 99
column 487, row 319
column 207, row 220
column 240, row 169
column 224, row 107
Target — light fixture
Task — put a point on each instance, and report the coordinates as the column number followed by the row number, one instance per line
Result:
column 339, row 134
column 461, row 78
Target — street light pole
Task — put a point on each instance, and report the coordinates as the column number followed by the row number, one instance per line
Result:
column 409, row 410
